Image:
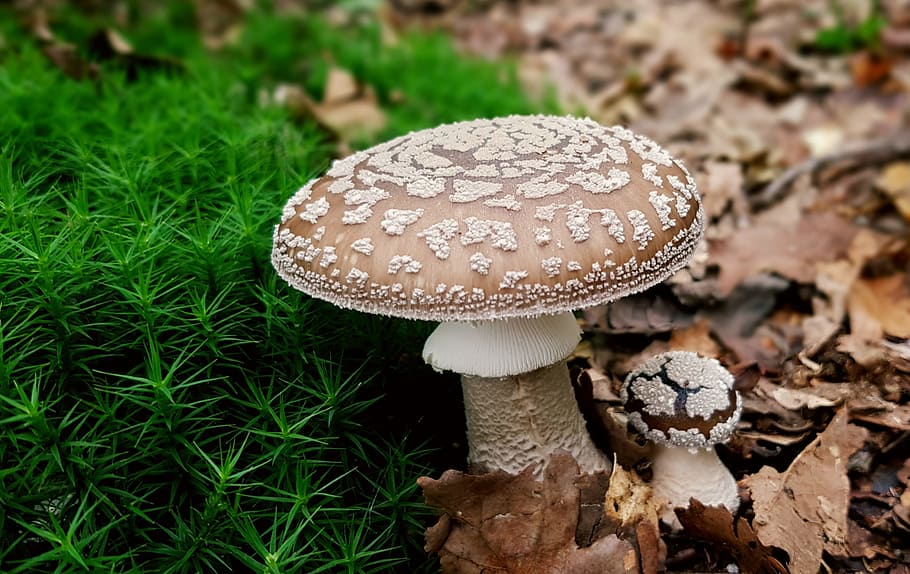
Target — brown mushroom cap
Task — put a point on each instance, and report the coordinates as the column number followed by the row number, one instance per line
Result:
column 680, row 398
column 518, row 216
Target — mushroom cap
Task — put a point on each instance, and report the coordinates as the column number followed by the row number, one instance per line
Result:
column 519, row 216
column 680, row 398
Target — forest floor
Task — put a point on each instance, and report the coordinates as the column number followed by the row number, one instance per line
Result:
column 795, row 119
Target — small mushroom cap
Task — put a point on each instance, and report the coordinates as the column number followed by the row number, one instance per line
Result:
column 680, row 398
column 518, row 216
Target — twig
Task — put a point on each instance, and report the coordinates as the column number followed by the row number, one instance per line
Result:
column 871, row 153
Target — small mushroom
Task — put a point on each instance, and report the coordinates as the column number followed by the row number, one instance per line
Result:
column 498, row 228
column 685, row 404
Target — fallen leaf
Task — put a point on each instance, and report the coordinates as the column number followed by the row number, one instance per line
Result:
column 348, row 110
column 881, row 413
column 880, row 305
column 67, row 58
column 647, row 536
column 790, row 249
column 794, row 399
column 715, row 524
column 630, row 501
column 591, row 523
column 220, row 22
column 340, row 85
column 109, row 45
column 697, row 338
column 868, row 68
column 497, row 522
column 653, row 311
column 804, row 509
column 722, row 187
column 895, row 182
column 740, row 321
column 824, row 139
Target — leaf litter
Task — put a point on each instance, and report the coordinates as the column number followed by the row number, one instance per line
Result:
column 803, row 159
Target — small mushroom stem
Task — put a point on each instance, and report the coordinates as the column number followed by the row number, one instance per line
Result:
column 682, row 473
column 517, row 421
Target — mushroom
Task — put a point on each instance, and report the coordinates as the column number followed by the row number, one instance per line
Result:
column 685, row 404
column 498, row 228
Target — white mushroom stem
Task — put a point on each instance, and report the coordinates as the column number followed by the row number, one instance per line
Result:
column 519, row 402
column 518, row 421
column 682, row 473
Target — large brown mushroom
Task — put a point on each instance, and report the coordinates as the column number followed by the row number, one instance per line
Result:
column 498, row 228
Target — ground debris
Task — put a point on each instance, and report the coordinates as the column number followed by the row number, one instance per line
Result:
column 497, row 522
column 715, row 524
column 801, row 155
column 348, row 111
column 804, row 509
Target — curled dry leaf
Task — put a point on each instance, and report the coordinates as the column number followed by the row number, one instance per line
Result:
column 795, row 399
column 715, row 524
column 497, row 522
column 878, row 412
column 804, row 509
column 629, row 501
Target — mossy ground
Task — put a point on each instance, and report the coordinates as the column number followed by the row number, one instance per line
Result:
column 168, row 404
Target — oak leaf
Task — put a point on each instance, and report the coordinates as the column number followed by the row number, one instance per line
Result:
column 498, row 522
column 804, row 509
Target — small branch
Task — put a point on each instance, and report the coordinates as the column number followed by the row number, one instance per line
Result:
column 871, row 153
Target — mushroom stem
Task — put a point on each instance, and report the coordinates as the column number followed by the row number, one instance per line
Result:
column 682, row 473
column 517, row 421
column 519, row 402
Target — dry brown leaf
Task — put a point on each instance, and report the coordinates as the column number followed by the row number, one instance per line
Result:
column 348, row 111
column 647, row 313
column 804, row 509
column 497, row 522
column 715, row 524
column 722, row 187
column 697, row 338
column 880, row 305
column 795, row 399
column 862, row 350
column 109, row 45
column 790, row 249
column 895, row 182
column 220, row 22
column 881, row 413
column 630, row 501
column 742, row 323
column 868, row 68
column 340, row 85
column 647, row 535
column 835, row 280
column 66, row 57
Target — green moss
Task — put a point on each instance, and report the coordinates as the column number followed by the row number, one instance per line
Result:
column 167, row 403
